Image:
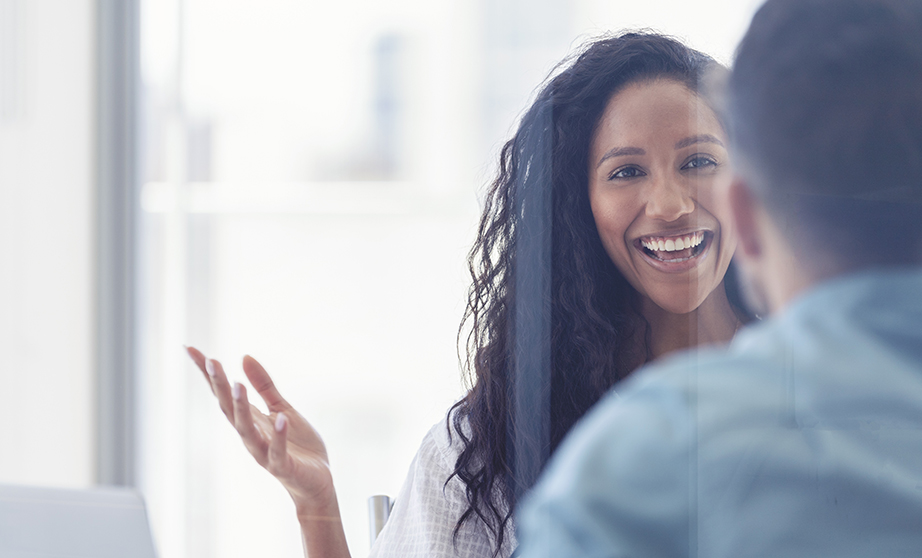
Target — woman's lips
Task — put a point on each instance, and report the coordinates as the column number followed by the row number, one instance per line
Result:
column 675, row 253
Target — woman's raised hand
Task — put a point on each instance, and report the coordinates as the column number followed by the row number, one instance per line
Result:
column 283, row 442
column 288, row 447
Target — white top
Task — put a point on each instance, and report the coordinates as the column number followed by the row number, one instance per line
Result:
column 423, row 520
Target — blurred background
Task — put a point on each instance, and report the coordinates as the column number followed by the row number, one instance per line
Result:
column 293, row 179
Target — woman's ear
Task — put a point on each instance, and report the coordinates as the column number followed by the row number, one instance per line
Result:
column 744, row 211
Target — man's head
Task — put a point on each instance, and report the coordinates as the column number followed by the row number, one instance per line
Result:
column 825, row 109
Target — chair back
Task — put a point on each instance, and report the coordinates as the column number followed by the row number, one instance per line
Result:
column 379, row 509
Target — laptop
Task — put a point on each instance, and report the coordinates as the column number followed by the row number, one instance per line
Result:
column 59, row 523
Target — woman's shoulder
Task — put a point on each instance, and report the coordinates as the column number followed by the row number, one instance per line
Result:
column 444, row 442
column 431, row 503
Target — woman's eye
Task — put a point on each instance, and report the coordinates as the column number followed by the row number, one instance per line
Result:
column 626, row 172
column 700, row 163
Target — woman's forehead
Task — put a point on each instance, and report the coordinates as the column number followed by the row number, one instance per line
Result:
column 655, row 111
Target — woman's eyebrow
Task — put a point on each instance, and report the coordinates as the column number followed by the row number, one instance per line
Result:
column 620, row 152
column 703, row 138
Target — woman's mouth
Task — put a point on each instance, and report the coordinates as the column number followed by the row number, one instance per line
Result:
column 674, row 253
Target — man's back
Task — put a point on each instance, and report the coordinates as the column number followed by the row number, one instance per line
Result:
column 804, row 440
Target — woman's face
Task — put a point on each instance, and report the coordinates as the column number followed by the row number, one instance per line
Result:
column 657, row 163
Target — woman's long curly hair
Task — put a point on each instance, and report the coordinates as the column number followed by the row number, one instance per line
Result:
column 547, row 304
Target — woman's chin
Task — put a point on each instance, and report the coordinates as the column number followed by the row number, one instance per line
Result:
column 677, row 303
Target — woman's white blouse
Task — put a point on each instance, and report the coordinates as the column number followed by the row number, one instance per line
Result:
column 423, row 520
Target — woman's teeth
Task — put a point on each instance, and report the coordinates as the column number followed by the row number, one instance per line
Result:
column 672, row 243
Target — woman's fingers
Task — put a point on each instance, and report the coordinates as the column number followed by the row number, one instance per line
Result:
column 220, row 387
column 260, row 380
column 273, row 455
column 269, row 447
column 278, row 448
column 199, row 359
column 243, row 422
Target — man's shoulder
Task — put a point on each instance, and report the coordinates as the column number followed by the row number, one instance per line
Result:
column 628, row 460
column 690, row 383
column 656, row 419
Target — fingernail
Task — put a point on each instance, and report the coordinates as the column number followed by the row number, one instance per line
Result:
column 209, row 367
column 236, row 391
column 280, row 422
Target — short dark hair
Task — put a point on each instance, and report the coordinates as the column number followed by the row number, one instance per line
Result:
column 825, row 116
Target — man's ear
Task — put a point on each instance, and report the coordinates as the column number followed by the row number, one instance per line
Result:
column 744, row 211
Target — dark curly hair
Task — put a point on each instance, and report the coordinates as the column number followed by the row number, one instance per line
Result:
column 550, row 323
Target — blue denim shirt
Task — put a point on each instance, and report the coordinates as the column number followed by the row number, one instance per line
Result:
column 802, row 438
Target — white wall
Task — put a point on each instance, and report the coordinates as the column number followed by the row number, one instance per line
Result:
column 46, row 241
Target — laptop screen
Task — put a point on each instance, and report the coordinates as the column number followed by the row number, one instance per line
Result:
column 59, row 523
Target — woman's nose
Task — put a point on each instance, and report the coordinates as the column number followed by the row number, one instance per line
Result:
column 668, row 199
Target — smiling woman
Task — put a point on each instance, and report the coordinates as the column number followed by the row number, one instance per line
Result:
column 599, row 249
column 657, row 159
